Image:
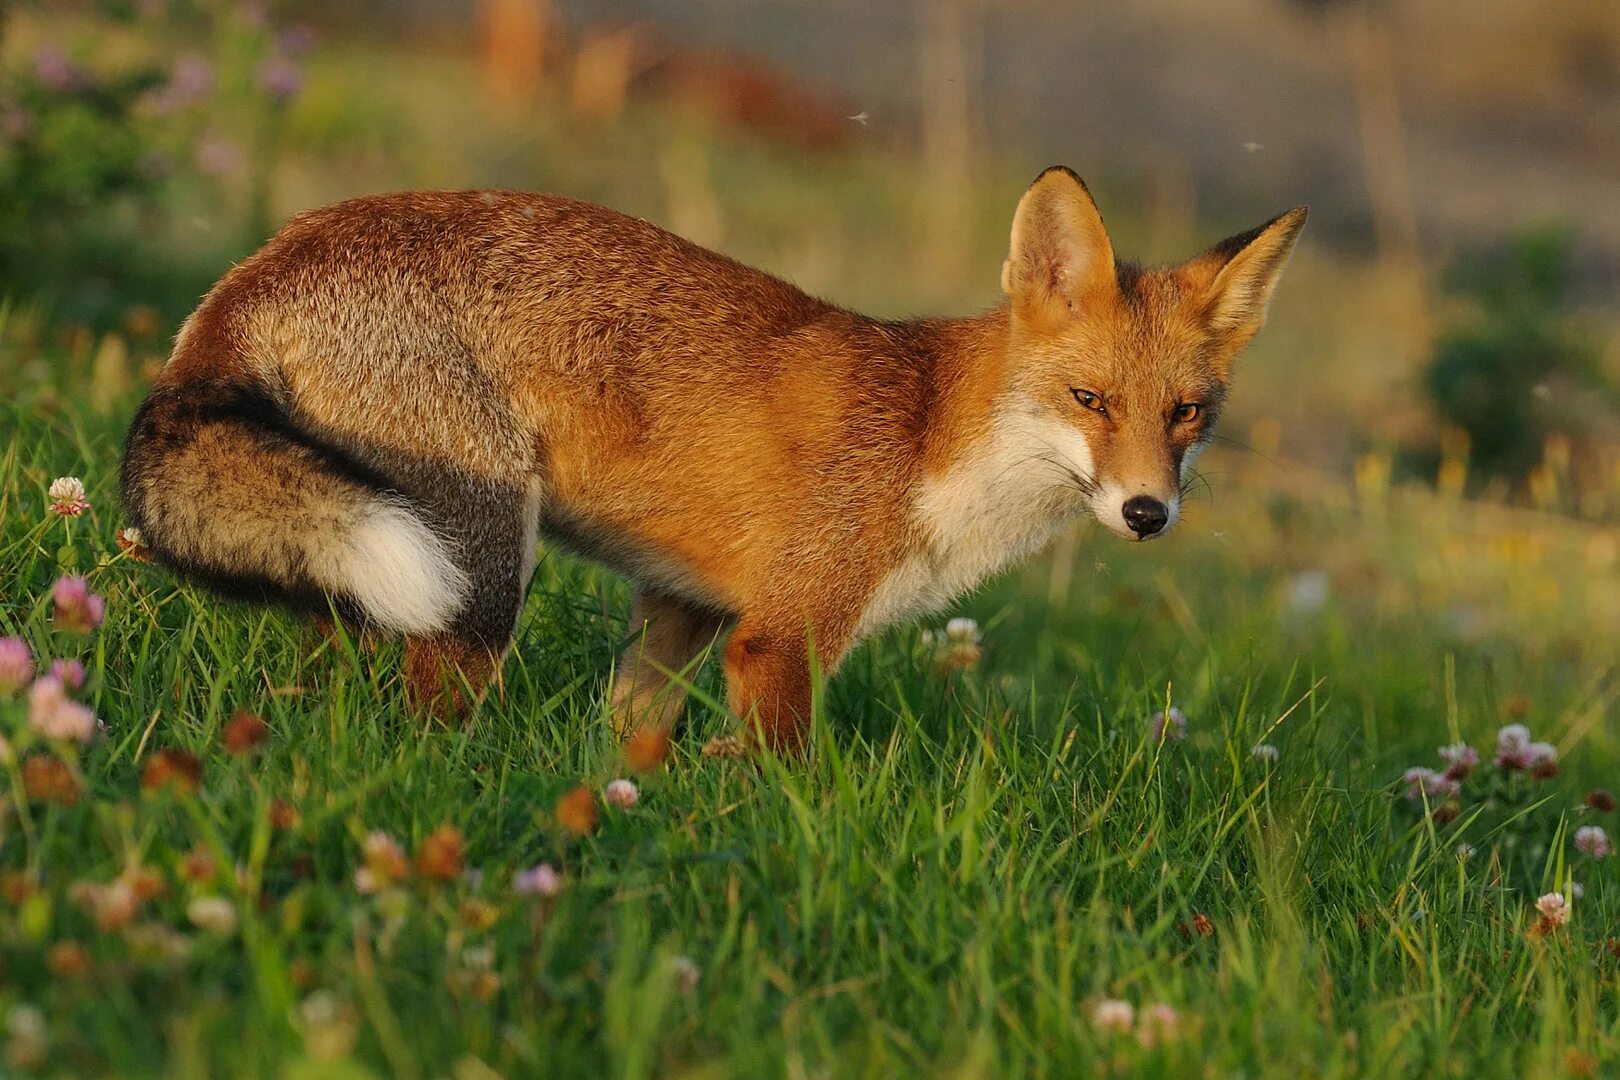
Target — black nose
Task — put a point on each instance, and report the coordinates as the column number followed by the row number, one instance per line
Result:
column 1145, row 515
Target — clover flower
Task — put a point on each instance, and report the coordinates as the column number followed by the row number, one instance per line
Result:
column 385, row 863
column 542, row 881
column 1543, row 760
column 1113, row 1015
column 621, row 793
column 1421, row 781
column 1592, row 840
column 1460, row 759
column 215, row 914
column 1513, row 747
column 1553, row 910
column 71, row 672
column 78, row 610
column 1168, row 726
column 1159, row 1023
column 132, row 543
column 16, row 665
column 67, row 496
column 55, row 715
column 1265, row 753
column 281, row 78
column 687, row 973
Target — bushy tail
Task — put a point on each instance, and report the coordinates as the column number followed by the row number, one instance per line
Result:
column 226, row 489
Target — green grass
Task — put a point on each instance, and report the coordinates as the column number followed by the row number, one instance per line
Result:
column 965, row 864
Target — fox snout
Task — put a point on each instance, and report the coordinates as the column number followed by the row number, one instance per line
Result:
column 1145, row 515
column 1134, row 514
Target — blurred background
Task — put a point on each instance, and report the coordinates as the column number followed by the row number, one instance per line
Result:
column 1433, row 407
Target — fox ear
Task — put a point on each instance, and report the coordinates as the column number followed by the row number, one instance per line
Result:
column 1239, row 273
column 1059, row 251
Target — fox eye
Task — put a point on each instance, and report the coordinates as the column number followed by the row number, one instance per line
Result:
column 1186, row 414
column 1090, row 400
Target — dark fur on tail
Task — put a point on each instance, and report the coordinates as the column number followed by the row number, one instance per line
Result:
column 228, row 490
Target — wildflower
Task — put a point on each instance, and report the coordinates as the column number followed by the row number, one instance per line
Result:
column 1266, row 754
column 70, row 672
column 1159, row 1023
column 1113, row 1016
column 179, row 769
column 1168, row 726
column 56, row 716
column 576, row 811
column 1460, row 759
column 1553, row 909
column 112, row 905
column 1577, row 891
column 385, row 863
column 687, row 973
column 1446, row 813
column 281, row 78
column 16, row 665
column 961, row 647
column 55, row 71
column 541, row 880
column 1513, row 747
column 478, row 914
column 25, row 1043
column 438, row 857
column 191, row 80
column 198, row 866
column 1592, row 840
column 67, row 496
column 78, row 610
column 67, row 960
column 215, row 914
column 1422, row 782
column 621, row 793
column 284, row 816
column 1600, row 799
column 47, row 779
column 645, row 750
column 1202, row 925
column 1465, row 852
column 133, row 544
column 245, row 732
column 1543, row 760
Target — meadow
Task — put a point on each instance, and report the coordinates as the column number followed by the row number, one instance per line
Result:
column 1153, row 813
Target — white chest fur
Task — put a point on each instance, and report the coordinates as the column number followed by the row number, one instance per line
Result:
column 1004, row 500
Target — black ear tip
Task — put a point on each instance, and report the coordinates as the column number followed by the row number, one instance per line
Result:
column 1064, row 170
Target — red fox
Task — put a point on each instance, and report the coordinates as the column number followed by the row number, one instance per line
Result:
column 384, row 409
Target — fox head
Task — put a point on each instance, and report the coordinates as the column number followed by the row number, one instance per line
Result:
column 1122, row 370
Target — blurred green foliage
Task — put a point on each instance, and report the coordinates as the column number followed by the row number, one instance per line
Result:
column 1515, row 368
column 109, row 135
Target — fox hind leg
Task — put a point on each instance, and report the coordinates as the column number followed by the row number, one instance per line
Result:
column 494, row 532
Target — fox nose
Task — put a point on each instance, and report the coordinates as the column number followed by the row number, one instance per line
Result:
column 1145, row 515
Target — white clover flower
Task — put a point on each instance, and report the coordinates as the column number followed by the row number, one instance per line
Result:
column 621, row 793
column 1592, row 840
column 1553, row 908
column 67, row 496
column 215, row 914
column 1168, row 726
column 1113, row 1015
